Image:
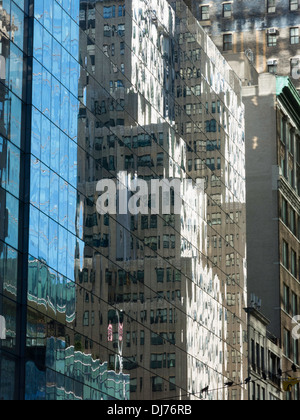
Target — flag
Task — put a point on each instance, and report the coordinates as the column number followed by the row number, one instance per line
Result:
column 110, row 333
column 290, row 383
column 121, row 331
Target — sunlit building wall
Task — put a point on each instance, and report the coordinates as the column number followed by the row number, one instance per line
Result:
column 266, row 32
column 167, row 106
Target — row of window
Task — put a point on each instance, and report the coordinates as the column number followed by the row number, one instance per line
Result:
column 199, row 164
column 112, row 12
column 125, row 278
column 156, row 339
column 156, row 384
column 132, row 142
column 273, row 34
column 272, row 5
column 162, row 361
column 227, row 9
column 272, row 38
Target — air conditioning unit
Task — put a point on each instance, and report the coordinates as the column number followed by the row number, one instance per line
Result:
column 272, row 31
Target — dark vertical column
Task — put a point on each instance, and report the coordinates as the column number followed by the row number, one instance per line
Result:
column 25, row 199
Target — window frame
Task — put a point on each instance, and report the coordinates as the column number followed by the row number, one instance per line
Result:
column 227, row 45
column 272, row 40
column 227, row 14
column 205, row 16
column 294, row 5
column 271, row 6
column 294, row 39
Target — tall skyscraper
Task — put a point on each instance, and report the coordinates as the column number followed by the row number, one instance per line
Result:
column 117, row 296
column 41, row 250
column 268, row 32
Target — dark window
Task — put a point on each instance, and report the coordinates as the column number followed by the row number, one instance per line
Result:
column 227, row 42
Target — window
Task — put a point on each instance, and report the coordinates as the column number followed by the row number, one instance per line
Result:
column 198, row 164
column 121, row 11
column 157, row 384
column 284, row 211
column 271, row 6
column 285, row 254
column 258, row 356
column 216, row 219
column 294, row 305
column 272, row 39
column 121, row 30
column 109, row 12
column 253, row 354
column 294, row 263
column 227, row 10
column 210, row 163
column 172, row 383
column 294, row 36
column 287, row 343
column 211, row 126
column 286, row 298
column 291, row 140
column 166, row 241
column 86, row 319
column 262, row 358
column 153, row 222
column 293, row 221
column 144, row 222
column 188, row 128
column 295, row 351
column 171, row 360
column 160, row 273
column 188, row 109
column 272, row 66
column 227, row 42
column 294, row 5
column 204, row 13
column 107, row 31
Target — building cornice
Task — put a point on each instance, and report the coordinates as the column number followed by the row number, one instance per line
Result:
column 289, row 96
column 258, row 315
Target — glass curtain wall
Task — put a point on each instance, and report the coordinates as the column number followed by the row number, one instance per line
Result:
column 144, row 305
column 12, row 47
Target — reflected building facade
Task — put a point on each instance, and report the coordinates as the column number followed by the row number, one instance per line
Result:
column 124, row 305
column 266, row 32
